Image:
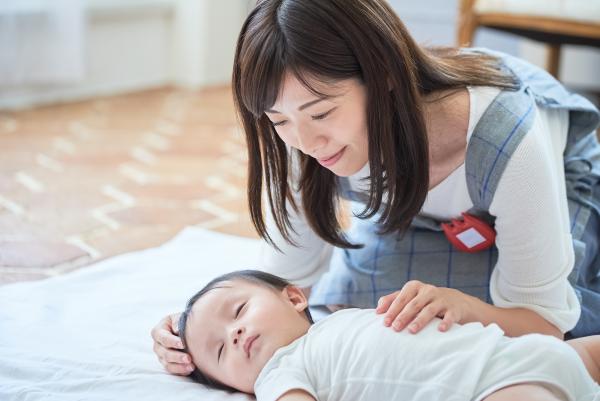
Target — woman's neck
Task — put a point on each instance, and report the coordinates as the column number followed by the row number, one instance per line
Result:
column 447, row 121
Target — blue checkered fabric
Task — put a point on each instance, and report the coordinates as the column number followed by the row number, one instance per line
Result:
column 386, row 262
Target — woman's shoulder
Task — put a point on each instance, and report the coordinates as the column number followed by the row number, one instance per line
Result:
column 480, row 98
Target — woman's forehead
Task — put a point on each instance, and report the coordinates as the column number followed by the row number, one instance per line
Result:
column 301, row 89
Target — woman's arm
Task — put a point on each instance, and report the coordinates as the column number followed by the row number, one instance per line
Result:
column 302, row 264
column 535, row 247
column 417, row 303
column 529, row 285
column 514, row 321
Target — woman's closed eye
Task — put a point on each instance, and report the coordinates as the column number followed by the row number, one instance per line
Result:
column 315, row 117
column 323, row 115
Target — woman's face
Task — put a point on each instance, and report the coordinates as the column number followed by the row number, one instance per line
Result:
column 331, row 129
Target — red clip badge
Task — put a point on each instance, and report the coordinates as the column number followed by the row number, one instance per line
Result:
column 470, row 234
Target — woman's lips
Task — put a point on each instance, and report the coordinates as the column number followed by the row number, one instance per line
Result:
column 332, row 160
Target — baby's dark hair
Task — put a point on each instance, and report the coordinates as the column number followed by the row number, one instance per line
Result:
column 253, row 276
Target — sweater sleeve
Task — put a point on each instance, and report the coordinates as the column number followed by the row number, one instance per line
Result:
column 535, row 249
column 302, row 265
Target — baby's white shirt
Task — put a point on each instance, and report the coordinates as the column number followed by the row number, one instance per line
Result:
column 351, row 355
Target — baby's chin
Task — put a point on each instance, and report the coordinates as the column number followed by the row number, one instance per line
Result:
column 245, row 384
column 247, row 387
column 261, row 362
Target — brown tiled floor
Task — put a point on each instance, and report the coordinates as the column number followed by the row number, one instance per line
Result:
column 85, row 181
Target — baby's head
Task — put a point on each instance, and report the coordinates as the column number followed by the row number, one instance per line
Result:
column 233, row 326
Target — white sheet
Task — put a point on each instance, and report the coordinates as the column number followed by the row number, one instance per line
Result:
column 86, row 335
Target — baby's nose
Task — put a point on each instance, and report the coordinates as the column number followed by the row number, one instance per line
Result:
column 237, row 336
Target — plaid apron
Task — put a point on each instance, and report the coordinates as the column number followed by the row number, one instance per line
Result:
column 386, row 262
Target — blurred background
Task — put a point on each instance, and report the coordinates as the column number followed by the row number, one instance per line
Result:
column 117, row 127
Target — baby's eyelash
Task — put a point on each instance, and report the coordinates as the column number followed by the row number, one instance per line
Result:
column 237, row 312
column 239, row 309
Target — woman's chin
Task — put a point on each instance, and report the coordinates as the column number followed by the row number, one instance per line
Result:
column 344, row 171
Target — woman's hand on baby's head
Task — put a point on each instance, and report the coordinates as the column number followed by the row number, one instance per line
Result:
column 417, row 303
column 167, row 345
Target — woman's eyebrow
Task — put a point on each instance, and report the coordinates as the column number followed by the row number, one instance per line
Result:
column 305, row 105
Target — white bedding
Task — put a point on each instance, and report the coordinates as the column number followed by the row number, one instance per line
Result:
column 86, row 335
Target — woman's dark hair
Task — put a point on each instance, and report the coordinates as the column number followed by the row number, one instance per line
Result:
column 324, row 41
column 253, row 276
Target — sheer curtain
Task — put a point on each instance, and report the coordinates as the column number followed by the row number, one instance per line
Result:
column 41, row 42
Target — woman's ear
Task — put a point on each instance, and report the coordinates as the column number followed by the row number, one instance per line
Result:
column 296, row 297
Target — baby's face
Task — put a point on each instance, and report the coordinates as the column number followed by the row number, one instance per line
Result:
column 235, row 328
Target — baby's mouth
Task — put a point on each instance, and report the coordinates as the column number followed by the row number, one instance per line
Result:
column 248, row 344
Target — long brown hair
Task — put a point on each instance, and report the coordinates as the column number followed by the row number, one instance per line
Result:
column 326, row 41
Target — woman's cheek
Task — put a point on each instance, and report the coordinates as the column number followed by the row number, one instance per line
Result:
column 286, row 137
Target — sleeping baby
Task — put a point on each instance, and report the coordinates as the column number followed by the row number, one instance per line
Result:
column 252, row 332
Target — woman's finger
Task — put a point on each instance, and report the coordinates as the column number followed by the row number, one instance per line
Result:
column 385, row 301
column 167, row 355
column 176, row 357
column 164, row 333
column 412, row 309
column 448, row 320
column 174, row 318
column 424, row 317
column 167, row 339
column 176, row 362
column 179, row 369
column 406, row 294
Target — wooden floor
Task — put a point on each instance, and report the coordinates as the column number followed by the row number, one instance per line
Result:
column 85, row 181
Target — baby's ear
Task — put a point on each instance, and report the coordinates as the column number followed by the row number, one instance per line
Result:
column 296, row 297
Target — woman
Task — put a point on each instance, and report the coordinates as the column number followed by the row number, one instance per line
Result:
column 338, row 102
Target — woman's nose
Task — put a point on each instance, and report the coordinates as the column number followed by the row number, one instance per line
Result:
column 309, row 142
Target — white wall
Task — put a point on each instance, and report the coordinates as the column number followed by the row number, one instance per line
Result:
column 434, row 22
column 579, row 65
column 141, row 44
column 204, row 38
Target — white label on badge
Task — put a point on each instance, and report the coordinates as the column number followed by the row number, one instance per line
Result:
column 470, row 237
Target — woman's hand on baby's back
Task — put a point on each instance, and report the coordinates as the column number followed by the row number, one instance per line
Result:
column 167, row 345
column 417, row 303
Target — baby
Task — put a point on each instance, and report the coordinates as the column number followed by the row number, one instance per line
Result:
column 251, row 331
